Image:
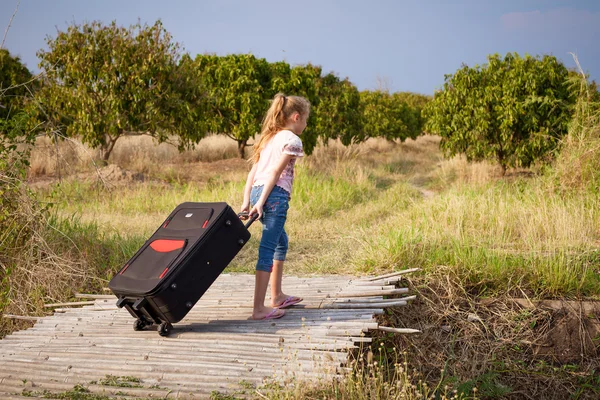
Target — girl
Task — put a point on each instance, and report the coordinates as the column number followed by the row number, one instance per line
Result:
column 268, row 190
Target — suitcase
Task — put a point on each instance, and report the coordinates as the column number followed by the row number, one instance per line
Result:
column 173, row 269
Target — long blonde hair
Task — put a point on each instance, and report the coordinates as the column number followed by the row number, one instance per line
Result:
column 281, row 109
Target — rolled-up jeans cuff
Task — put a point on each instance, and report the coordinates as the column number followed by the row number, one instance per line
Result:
column 264, row 267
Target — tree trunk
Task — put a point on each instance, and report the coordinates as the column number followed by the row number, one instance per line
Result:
column 242, row 148
column 107, row 148
column 502, row 160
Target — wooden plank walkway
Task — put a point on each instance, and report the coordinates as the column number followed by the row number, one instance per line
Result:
column 215, row 348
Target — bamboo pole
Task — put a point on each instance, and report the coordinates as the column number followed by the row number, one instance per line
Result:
column 372, row 293
column 180, row 357
column 74, row 303
column 94, row 296
column 22, row 317
column 17, row 386
column 388, row 282
column 375, row 300
column 403, row 272
column 366, row 305
column 397, row 330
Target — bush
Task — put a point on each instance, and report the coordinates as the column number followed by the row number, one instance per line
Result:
column 513, row 110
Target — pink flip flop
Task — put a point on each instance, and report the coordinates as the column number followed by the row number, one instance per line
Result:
column 272, row 315
column 290, row 301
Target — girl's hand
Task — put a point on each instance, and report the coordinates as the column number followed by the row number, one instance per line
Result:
column 257, row 209
column 244, row 210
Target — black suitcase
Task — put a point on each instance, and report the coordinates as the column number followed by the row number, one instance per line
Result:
column 173, row 269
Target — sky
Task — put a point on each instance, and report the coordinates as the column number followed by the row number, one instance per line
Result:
column 395, row 45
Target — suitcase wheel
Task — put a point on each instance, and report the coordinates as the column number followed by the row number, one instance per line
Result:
column 164, row 329
column 139, row 324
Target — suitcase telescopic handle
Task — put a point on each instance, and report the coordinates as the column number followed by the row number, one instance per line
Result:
column 244, row 215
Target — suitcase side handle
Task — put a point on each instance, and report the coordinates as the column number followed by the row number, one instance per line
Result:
column 244, row 216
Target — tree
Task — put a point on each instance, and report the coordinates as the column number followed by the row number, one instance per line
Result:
column 417, row 103
column 513, row 110
column 16, row 133
column 241, row 86
column 236, row 87
column 337, row 114
column 13, row 79
column 334, row 102
column 300, row 80
column 103, row 82
column 388, row 116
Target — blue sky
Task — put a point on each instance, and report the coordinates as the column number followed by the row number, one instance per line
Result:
column 402, row 45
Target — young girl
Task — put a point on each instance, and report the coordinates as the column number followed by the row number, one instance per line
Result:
column 268, row 190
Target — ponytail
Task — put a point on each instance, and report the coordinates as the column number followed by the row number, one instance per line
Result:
column 281, row 109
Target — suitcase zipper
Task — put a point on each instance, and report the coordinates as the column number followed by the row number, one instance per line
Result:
column 124, row 268
column 163, row 273
column 167, row 222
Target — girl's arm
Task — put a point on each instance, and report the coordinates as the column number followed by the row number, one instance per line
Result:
column 270, row 184
column 248, row 188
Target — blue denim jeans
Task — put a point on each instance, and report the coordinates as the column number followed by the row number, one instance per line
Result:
column 274, row 241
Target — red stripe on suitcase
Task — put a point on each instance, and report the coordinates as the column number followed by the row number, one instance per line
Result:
column 163, row 274
column 166, row 245
column 124, row 268
column 205, row 223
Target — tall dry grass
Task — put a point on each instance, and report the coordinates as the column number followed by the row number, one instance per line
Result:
column 419, row 161
column 377, row 373
column 578, row 164
column 136, row 153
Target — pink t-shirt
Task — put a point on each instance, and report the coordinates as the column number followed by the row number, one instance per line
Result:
column 284, row 142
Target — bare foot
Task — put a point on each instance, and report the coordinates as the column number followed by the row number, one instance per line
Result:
column 267, row 313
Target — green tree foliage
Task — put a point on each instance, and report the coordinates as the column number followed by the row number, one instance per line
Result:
column 240, row 87
column 388, row 116
column 337, row 114
column 16, row 135
column 237, row 87
column 103, row 82
column 417, row 103
column 513, row 110
column 13, row 91
column 339, row 111
column 299, row 80
column 335, row 103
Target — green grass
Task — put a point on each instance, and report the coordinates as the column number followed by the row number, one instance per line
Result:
column 498, row 236
column 103, row 251
column 121, row 219
column 363, row 218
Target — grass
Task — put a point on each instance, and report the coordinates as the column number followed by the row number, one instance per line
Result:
column 516, row 234
column 140, row 153
column 369, row 209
